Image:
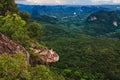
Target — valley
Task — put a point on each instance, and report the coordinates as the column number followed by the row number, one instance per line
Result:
column 86, row 38
column 59, row 42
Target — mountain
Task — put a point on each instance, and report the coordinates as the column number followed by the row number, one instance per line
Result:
column 102, row 22
column 66, row 15
column 104, row 17
column 59, row 10
column 65, row 42
column 46, row 18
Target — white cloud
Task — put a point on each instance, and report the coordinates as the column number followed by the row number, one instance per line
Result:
column 116, row 1
column 45, row 1
column 97, row 1
column 68, row 1
column 61, row 2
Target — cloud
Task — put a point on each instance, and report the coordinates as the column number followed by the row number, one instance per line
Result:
column 62, row 2
column 41, row 1
column 54, row 2
column 100, row 1
column 116, row 1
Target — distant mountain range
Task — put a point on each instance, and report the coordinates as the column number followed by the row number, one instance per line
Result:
column 64, row 10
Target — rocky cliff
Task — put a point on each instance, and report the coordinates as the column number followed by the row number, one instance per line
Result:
column 43, row 55
column 10, row 47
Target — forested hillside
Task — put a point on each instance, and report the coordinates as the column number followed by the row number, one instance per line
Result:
column 88, row 50
column 59, row 42
column 19, row 39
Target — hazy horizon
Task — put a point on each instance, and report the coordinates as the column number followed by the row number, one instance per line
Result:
column 68, row 2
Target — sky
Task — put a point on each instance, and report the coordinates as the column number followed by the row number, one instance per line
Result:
column 71, row 2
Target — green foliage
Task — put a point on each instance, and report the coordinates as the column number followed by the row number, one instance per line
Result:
column 46, row 18
column 13, row 67
column 50, row 29
column 13, row 26
column 8, row 5
column 11, row 20
column 106, row 17
column 34, row 30
column 86, row 57
column 41, row 72
column 102, row 24
column 82, row 57
column 25, row 16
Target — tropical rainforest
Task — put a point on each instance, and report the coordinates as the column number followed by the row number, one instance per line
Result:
column 87, row 41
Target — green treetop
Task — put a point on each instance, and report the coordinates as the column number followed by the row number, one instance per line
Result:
column 8, row 5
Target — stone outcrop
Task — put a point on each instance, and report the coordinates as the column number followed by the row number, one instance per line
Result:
column 92, row 19
column 10, row 47
column 45, row 55
column 115, row 23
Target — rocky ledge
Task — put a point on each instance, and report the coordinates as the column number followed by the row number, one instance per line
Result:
column 10, row 47
column 45, row 55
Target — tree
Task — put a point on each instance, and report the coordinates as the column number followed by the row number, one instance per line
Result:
column 41, row 72
column 13, row 26
column 13, row 67
column 8, row 5
column 25, row 16
column 34, row 29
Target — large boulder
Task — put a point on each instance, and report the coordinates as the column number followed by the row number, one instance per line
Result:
column 45, row 55
column 10, row 47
